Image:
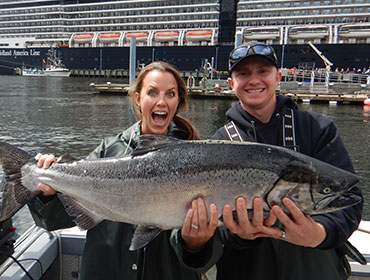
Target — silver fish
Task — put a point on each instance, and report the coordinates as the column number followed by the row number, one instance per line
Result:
column 153, row 187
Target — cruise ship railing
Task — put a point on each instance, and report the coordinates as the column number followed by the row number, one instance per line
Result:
column 310, row 76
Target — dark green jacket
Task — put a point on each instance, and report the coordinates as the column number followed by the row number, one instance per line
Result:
column 106, row 254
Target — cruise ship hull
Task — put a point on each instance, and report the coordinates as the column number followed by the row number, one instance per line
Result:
column 185, row 58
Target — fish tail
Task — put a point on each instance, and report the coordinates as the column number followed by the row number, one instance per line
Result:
column 13, row 195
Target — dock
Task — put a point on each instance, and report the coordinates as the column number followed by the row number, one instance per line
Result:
column 125, row 75
column 341, row 98
column 307, row 87
column 226, row 93
column 110, row 88
column 328, row 98
column 198, row 92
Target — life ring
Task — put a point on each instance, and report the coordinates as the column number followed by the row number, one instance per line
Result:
column 367, row 101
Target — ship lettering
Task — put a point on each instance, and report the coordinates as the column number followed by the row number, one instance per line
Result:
column 5, row 53
column 35, row 53
column 21, row 53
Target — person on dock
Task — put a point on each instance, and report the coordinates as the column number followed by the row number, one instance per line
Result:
column 158, row 94
column 286, row 247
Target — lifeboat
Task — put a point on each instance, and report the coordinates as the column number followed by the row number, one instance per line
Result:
column 355, row 30
column 83, row 38
column 198, row 35
column 309, row 31
column 140, row 36
column 166, row 36
column 109, row 37
column 63, row 45
column 261, row 33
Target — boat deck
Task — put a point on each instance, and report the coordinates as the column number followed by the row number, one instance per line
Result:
column 46, row 255
column 361, row 240
column 58, row 254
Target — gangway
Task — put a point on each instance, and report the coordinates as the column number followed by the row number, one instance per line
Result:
column 326, row 61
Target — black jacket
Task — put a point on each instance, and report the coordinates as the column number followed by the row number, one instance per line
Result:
column 266, row 258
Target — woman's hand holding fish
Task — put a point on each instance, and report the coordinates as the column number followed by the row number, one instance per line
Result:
column 299, row 228
column 197, row 229
column 246, row 228
column 44, row 161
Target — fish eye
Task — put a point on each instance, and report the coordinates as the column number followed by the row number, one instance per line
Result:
column 326, row 190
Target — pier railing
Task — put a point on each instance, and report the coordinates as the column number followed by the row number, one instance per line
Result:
column 323, row 81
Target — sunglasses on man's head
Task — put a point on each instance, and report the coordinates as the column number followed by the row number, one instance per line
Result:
column 257, row 49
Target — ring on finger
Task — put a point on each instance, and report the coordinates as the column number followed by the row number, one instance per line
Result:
column 194, row 226
column 283, row 234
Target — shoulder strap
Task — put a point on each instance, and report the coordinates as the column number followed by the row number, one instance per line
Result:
column 289, row 140
column 232, row 132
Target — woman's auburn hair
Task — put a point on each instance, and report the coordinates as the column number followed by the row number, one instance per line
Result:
column 180, row 122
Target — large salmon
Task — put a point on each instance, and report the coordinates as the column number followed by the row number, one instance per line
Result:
column 154, row 186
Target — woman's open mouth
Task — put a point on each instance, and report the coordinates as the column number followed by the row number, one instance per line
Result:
column 159, row 117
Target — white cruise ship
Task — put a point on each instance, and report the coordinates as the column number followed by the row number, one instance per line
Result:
column 206, row 25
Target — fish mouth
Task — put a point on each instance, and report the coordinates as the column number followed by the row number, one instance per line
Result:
column 336, row 202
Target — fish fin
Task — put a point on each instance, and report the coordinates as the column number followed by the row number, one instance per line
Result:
column 83, row 218
column 67, row 158
column 352, row 252
column 149, row 143
column 142, row 236
column 13, row 195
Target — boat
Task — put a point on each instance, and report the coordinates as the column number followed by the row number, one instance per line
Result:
column 316, row 31
column 138, row 35
column 166, row 36
column 58, row 254
column 361, row 240
column 109, row 37
column 82, row 38
column 261, row 32
column 110, row 88
column 359, row 30
column 96, row 34
column 198, row 35
column 53, row 67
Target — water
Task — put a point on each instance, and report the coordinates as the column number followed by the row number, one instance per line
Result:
column 61, row 115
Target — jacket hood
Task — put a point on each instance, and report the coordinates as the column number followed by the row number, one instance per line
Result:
column 251, row 126
column 243, row 119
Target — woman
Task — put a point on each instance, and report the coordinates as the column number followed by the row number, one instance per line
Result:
column 158, row 95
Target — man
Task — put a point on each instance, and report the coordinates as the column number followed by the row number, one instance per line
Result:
column 297, row 246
